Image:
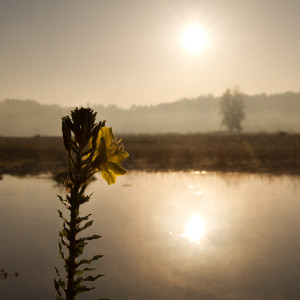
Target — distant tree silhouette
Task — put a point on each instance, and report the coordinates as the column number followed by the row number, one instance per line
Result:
column 232, row 110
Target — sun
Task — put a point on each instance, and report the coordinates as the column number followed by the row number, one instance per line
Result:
column 194, row 38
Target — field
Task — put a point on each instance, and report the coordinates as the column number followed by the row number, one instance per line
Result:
column 259, row 153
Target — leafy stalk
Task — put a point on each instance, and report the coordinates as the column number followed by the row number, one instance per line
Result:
column 90, row 147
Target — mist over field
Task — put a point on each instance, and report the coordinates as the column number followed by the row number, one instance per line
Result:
column 264, row 113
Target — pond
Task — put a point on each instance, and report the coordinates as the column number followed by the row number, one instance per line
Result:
column 164, row 236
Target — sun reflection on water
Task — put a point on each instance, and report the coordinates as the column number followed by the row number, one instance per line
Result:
column 198, row 193
column 198, row 172
column 194, row 230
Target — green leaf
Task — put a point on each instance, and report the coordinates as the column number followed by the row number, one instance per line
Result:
column 66, row 266
column 88, row 269
column 66, row 130
column 64, row 201
column 59, row 284
column 63, row 232
column 79, row 247
column 93, row 237
column 60, row 214
column 88, row 278
column 92, row 278
column 96, row 257
column 63, row 241
column 60, row 251
column 86, row 225
column 78, row 220
column 71, row 176
column 78, row 272
column 62, row 217
column 57, row 288
column 65, row 227
column 60, row 281
column 88, row 261
column 84, row 199
column 81, row 288
column 84, row 186
column 83, row 261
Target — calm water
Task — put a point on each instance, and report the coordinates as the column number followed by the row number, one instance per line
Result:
column 165, row 236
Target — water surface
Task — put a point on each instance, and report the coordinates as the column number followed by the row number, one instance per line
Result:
column 246, row 245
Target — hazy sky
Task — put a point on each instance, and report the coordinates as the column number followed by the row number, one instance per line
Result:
column 72, row 52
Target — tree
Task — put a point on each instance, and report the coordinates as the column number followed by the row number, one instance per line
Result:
column 232, row 109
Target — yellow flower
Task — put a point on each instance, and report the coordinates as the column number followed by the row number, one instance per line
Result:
column 109, row 155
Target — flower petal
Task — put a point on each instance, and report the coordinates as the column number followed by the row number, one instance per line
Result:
column 115, row 168
column 107, row 134
column 118, row 157
column 107, row 175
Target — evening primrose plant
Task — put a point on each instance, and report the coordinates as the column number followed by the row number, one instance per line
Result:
column 90, row 147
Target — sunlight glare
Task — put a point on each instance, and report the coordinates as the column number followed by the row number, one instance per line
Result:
column 194, row 38
column 198, row 193
column 194, row 230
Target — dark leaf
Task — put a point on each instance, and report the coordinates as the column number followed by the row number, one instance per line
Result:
column 81, row 288
column 88, row 261
column 57, row 287
column 86, row 225
column 92, row 278
column 93, row 237
column 78, row 220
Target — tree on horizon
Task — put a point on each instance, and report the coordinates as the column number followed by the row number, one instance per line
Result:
column 232, row 110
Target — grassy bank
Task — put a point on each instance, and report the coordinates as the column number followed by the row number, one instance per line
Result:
column 274, row 153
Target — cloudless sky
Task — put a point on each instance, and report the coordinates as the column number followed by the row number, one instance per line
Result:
column 71, row 52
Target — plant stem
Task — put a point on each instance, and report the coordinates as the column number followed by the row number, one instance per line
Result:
column 71, row 262
column 74, row 201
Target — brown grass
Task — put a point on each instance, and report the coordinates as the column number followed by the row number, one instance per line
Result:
column 273, row 153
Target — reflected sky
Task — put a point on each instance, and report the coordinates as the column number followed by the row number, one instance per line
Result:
column 237, row 239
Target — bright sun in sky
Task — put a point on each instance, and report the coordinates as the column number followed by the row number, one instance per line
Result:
column 194, row 38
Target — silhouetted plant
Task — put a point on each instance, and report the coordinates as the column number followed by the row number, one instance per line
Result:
column 91, row 147
column 232, row 109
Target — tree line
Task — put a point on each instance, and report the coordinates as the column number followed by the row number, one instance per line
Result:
column 267, row 113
